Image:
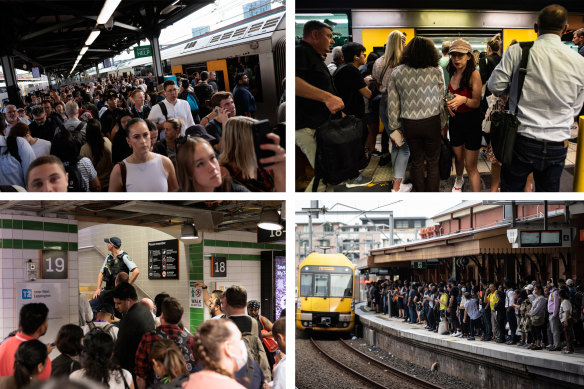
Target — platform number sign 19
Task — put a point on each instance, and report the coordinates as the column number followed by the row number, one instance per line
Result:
column 54, row 264
column 218, row 267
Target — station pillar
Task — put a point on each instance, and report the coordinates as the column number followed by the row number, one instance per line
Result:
column 156, row 58
column 11, row 80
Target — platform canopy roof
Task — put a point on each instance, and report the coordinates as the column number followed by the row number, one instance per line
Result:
column 51, row 33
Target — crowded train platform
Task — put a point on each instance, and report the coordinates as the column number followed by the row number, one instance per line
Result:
column 142, row 294
column 486, row 97
column 178, row 110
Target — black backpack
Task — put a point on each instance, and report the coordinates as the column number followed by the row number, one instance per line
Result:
column 75, row 178
column 77, row 135
column 339, row 150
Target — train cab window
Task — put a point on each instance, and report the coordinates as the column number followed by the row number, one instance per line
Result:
column 306, row 285
column 321, row 285
column 341, row 285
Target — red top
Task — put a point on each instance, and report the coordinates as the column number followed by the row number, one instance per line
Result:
column 7, row 351
column 466, row 92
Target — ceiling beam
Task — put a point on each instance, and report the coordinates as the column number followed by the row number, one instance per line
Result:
column 51, row 28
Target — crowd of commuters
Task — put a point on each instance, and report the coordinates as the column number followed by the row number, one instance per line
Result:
column 530, row 314
column 235, row 349
column 421, row 96
column 112, row 134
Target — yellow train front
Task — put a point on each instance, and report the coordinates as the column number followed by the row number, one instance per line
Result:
column 326, row 293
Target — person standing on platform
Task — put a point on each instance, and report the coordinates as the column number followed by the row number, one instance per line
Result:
column 552, row 95
column 553, row 308
column 136, row 321
column 116, row 261
column 33, row 323
column 578, row 40
column 244, row 100
column 171, row 108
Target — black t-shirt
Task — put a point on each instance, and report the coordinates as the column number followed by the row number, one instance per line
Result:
column 311, row 68
column 132, row 327
column 348, row 81
column 454, row 291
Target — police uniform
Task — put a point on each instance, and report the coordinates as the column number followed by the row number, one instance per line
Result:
column 112, row 266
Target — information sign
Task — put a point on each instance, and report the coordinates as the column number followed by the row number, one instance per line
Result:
column 54, row 265
column 195, row 295
column 163, row 260
column 142, row 51
column 218, row 267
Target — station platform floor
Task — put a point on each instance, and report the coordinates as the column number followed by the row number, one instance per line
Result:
column 383, row 175
column 543, row 359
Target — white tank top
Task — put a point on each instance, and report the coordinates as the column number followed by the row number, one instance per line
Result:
column 147, row 176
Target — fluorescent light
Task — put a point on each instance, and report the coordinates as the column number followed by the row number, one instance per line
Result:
column 92, row 37
column 107, row 11
column 83, row 50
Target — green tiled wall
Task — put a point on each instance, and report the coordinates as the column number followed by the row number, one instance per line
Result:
column 36, row 245
column 196, row 273
column 15, row 224
column 196, row 261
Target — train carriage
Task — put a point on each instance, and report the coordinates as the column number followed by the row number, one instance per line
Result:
column 326, row 293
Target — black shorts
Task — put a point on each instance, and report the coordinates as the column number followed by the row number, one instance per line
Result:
column 465, row 128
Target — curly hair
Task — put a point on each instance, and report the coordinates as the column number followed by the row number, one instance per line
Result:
column 98, row 347
column 168, row 354
column 420, row 53
column 209, row 339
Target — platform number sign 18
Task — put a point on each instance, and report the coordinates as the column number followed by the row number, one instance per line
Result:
column 54, row 264
column 218, row 267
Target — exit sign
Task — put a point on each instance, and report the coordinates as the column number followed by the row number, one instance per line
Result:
column 142, row 51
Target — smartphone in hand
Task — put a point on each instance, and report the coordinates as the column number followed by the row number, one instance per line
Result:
column 259, row 131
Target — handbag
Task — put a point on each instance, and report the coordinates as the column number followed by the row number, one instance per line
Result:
column 339, row 150
column 269, row 341
column 445, row 162
column 442, row 328
column 504, row 124
column 537, row 320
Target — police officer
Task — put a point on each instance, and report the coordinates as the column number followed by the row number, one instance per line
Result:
column 117, row 261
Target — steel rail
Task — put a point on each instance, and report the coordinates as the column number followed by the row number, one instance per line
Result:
column 345, row 367
column 392, row 370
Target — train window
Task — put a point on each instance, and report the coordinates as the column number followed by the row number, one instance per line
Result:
column 338, row 21
column 341, row 285
column 306, row 285
column 321, row 285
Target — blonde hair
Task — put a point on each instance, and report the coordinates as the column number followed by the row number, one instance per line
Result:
column 393, row 49
column 185, row 161
column 209, row 340
column 495, row 43
column 238, row 147
column 168, row 354
column 176, row 123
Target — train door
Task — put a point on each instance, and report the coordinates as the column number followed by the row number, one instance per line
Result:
column 220, row 68
column 250, row 65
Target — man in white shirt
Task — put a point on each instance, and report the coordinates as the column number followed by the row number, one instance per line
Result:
column 552, row 96
column 175, row 108
column 11, row 118
column 279, row 332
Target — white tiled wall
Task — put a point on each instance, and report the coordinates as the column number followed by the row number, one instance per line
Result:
column 12, row 266
column 135, row 242
column 244, row 273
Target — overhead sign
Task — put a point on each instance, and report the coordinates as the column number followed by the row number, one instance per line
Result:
column 195, row 295
column 419, row 264
column 35, row 72
column 163, row 260
column 54, row 264
column 267, row 236
column 218, row 267
column 107, row 63
column 560, row 237
column 142, row 51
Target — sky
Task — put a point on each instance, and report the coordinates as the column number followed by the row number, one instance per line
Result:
column 400, row 208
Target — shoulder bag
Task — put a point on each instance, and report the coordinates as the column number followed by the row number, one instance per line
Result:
column 504, row 124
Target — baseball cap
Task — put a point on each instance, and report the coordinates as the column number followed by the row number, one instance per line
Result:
column 110, row 93
column 569, row 282
column 115, row 241
column 460, row 46
column 529, row 287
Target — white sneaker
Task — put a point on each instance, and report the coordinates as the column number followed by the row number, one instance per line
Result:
column 404, row 188
column 457, row 188
column 457, row 334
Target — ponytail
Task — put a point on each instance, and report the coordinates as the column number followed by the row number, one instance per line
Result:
column 28, row 356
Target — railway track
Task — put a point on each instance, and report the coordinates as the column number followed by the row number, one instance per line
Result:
column 388, row 377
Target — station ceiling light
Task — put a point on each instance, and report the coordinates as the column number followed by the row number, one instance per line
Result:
column 270, row 220
column 188, row 231
column 107, row 11
column 92, row 37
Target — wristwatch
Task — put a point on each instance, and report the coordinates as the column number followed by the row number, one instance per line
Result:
column 204, row 287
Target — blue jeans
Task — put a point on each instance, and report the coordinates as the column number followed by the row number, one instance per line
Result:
column 544, row 159
column 413, row 315
column 399, row 155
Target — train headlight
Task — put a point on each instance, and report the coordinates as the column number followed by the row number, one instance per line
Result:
column 298, row 303
column 305, row 316
column 345, row 317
